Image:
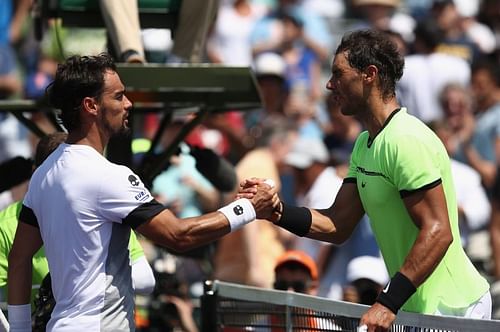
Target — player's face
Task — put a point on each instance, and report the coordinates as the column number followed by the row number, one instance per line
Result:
column 114, row 105
column 346, row 85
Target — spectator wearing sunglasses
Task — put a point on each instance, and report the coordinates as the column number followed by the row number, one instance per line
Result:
column 297, row 272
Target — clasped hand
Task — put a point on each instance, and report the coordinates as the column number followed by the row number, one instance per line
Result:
column 263, row 195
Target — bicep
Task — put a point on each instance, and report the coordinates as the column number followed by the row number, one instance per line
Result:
column 428, row 208
column 161, row 228
column 27, row 242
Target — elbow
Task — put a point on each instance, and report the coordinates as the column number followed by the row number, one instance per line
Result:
column 443, row 237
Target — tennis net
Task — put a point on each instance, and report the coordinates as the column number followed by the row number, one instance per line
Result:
column 231, row 307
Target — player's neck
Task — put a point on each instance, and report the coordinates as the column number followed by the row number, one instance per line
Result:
column 378, row 115
column 93, row 140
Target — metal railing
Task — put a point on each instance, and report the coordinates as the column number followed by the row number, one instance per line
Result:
column 231, row 307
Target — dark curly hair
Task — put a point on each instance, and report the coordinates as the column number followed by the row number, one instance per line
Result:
column 371, row 47
column 78, row 77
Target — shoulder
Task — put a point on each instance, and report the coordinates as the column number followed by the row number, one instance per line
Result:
column 121, row 175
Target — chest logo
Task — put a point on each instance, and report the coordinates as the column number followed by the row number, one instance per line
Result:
column 363, row 184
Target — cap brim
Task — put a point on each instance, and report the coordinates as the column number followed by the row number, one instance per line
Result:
column 297, row 160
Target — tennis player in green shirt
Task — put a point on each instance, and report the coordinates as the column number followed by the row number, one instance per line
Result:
column 400, row 176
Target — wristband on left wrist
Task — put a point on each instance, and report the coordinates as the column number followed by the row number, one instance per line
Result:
column 396, row 292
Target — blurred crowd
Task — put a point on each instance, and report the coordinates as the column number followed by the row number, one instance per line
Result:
column 298, row 138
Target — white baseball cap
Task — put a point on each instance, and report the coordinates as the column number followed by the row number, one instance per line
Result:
column 271, row 64
column 367, row 267
column 306, row 151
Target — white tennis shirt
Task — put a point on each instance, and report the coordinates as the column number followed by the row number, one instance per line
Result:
column 85, row 207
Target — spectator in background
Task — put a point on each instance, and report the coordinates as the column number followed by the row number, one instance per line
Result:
column 479, row 144
column 473, row 205
column 270, row 71
column 303, row 77
column 489, row 14
column 456, row 102
column 195, row 19
column 303, row 65
column 455, row 40
column 297, row 272
column 340, row 134
column 383, row 15
column 313, row 180
column 366, row 276
column 248, row 255
column 268, row 32
column 196, row 195
column 229, row 41
column 12, row 17
column 122, row 23
column 479, row 33
column 427, row 72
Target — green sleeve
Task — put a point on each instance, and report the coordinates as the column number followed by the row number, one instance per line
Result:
column 411, row 163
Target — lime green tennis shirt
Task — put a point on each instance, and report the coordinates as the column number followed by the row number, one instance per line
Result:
column 406, row 156
column 8, row 225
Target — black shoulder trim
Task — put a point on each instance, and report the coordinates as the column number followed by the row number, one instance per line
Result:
column 27, row 216
column 350, row 180
column 143, row 213
column 406, row 193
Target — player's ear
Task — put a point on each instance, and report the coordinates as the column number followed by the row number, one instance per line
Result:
column 370, row 73
column 90, row 105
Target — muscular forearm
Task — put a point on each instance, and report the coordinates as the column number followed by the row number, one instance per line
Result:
column 429, row 248
column 19, row 281
column 184, row 234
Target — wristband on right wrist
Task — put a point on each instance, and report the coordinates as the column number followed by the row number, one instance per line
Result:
column 396, row 292
column 295, row 219
column 239, row 213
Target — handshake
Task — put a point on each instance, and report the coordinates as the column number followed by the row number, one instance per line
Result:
column 264, row 197
column 258, row 198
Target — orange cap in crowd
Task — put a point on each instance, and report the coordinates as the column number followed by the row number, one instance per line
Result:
column 300, row 257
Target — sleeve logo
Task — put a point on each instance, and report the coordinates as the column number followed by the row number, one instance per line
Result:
column 133, row 180
column 238, row 210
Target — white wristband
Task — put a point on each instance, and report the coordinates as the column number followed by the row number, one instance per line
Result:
column 19, row 317
column 239, row 213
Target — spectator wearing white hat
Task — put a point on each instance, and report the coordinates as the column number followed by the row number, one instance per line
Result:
column 366, row 276
column 384, row 15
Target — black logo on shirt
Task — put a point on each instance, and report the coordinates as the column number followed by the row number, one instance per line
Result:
column 238, row 210
column 363, row 184
column 133, row 180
